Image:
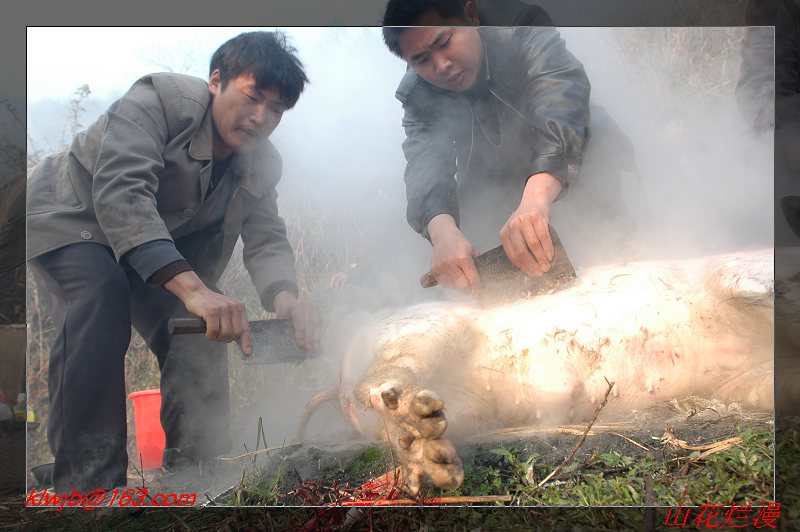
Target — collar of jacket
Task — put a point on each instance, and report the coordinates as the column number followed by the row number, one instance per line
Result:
column 201, row 147
column 499, row 56
column 486, row 67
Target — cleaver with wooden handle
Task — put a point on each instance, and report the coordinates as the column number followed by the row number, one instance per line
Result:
column 502, row 281
column 273, row 340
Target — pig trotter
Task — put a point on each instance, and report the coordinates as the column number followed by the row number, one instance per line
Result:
column 414, row 421
column 415, row 411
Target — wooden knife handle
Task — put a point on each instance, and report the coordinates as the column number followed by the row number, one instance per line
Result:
column 186, row 325
column 428, row 280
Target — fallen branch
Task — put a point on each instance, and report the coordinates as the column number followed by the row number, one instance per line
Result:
column 569, row 457
column 562, row 429
column 546, row 430
column 717, row 449
column 669, row 439
column 707, row 450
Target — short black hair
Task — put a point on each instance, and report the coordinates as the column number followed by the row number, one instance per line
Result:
column 268, row 56
column 399, row 13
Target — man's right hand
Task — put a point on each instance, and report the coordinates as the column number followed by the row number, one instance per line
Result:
column 225, row 317
column 452, row 263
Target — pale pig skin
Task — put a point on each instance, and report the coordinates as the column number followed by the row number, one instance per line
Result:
column 657, row 330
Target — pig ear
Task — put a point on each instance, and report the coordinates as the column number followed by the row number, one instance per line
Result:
column 390, row 398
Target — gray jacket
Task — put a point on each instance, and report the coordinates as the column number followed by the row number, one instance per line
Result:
column 140, row 172
column 529, row 114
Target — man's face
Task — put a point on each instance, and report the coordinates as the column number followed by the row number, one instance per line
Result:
column 448, row 57
column 243, row 116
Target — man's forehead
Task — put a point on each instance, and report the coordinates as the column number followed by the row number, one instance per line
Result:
column 248, row 81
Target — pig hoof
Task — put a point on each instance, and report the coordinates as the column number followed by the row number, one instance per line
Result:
column 426, row 403
column 426, row 415
column 431, row 462
column 418, row 412
column 442, row 464
column 405, row 441
column 415, row 423
column 440, row 452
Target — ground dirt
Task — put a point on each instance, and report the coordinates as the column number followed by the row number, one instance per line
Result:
column 318, row 473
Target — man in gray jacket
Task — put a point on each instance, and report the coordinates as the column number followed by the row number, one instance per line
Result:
column 134, row 224
column 497, row 124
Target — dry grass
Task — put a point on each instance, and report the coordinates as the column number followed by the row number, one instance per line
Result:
column 683, row 62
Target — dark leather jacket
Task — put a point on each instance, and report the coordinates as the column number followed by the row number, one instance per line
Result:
column 529, row 114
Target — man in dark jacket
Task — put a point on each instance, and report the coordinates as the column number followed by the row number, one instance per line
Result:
column 135, row 224
column 497, row 125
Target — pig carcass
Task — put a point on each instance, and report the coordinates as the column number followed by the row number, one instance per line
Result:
column 656, row 330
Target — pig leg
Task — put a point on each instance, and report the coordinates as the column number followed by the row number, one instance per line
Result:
column 412, row 415
column 414, row 423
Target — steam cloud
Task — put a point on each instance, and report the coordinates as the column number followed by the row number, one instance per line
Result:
column 705, row 183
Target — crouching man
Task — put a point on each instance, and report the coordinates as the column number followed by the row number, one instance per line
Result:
column 498, row 122
column 134, row 224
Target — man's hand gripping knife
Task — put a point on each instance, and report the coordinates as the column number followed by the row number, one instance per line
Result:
column 225, row 317
column 452, row 263
column 525, row 236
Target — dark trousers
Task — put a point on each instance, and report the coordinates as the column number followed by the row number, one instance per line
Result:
column 94, row 303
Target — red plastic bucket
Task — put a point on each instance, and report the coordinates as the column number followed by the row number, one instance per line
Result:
column 150, row 439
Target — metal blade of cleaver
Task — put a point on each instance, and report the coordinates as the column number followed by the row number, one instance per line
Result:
column 273, row 340
column 502, row 281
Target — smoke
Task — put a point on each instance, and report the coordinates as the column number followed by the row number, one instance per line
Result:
column 343, row 198
column 705, row 182
column 702, row 185
column 341, row 150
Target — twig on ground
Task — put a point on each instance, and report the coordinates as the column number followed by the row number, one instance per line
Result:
column 637, row 444
column 707, row 450
column 576, row 430
column 569, row 457
column 254, row 453
column 669, row 439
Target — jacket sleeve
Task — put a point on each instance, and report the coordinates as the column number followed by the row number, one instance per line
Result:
column 430, row 167
column 556, row 103
column 267, row 254
column 125, row 177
